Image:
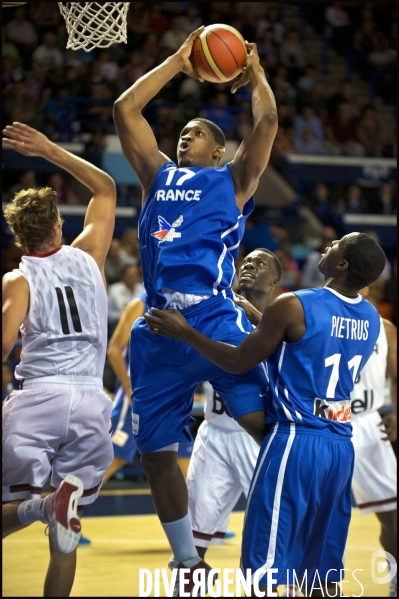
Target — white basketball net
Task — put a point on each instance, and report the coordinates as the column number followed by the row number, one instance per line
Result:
column 94, row 24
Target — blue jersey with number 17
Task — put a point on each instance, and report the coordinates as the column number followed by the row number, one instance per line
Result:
column 190, row 230
column 311, row 380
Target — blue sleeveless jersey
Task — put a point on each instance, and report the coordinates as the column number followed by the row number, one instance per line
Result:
column 311, row 380
column 190, row 229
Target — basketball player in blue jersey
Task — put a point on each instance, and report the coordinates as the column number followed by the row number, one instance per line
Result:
column 122, row 436
column 190, row 227
column 316, row 341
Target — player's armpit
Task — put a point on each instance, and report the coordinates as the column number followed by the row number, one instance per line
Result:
column 15, row 307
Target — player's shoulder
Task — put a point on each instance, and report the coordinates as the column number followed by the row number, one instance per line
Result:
column 389, row 327
column 14, row 282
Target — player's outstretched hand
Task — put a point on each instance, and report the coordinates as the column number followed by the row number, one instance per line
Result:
column 253, row 315
column 169, row 323
column 390, row 424
column 26, row 140
column 252, row 58
column 184, row 53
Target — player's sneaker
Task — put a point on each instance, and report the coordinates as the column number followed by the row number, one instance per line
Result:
column 229, row 535
column 290, row 591
column 193, row 564
column 61, row 510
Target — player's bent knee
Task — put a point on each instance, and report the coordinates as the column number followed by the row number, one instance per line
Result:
column 159, row 463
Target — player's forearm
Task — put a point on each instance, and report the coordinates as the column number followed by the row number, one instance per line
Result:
column 147, row 87
column 118, row 365
column 263, row 100
column 89, row 175
column 222, row 354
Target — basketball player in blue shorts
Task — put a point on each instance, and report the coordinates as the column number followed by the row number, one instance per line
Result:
column 316, row 341
column 190, row 228
column 118, row 355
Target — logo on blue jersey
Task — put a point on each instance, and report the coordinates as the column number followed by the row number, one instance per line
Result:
column 166, row 231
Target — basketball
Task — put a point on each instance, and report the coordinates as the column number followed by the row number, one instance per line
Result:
column 219, row 53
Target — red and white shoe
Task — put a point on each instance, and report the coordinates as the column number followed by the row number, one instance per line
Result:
column 61, row 508
column 193, row 564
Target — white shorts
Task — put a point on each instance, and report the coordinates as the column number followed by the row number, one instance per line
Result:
column 58, row 428
column 221, row 468
column 374, row 476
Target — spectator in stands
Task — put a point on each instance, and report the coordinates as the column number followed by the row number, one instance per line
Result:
column 292, row 55
column 341, row 133
column 386, row 199
column 306, row 83
column 338, row 23
column 18, row 106
column 114, row 263
column 26, row 181
column 322, row 208
column 346, row 93
column 307, row 143
column 108, row 69
column 355, row 203
column 47, row 54
column 58, row 184
column 273, row 21
column 22, row 34
column 218, row 114
column 284, row 141
column 95, row 148
column 174, row 37
column 368, row 132
column 157, row 20
column 311, row 276
column 36, row 82
column 191, row 20
column 120, row 293
column 129, row 251
column 308, row 120
column 291, row 276
column 383, row 56
column 267, row 51
column 151, row 45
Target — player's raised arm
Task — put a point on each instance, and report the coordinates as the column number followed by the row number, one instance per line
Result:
column 283, row 319
column 100, row 216
column 138, row 142
column 253, row 154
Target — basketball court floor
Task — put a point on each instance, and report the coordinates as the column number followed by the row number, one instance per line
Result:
column 126, row 536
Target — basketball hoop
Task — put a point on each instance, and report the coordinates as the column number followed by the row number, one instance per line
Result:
column 94, row 24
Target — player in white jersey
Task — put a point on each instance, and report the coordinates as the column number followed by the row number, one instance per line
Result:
column 374, row 482
column 58, row 422
column 224, row 454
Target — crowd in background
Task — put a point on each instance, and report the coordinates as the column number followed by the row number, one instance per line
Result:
column 68, row 95
column 39, row 73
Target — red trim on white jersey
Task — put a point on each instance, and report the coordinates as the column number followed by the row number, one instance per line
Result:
column 57, row 249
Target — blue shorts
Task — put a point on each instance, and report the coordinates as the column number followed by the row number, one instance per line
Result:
column 299, row 504
column 122, row 435
column 165, row 373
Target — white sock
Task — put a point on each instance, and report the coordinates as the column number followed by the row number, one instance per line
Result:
column 31, row 511
column 181, row 539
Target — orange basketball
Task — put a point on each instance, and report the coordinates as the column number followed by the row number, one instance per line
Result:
column 219, row 53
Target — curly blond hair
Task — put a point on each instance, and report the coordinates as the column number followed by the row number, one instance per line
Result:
column 31, row 216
